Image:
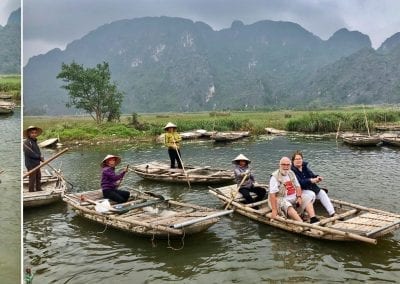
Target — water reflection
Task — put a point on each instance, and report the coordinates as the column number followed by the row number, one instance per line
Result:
column 63, row 247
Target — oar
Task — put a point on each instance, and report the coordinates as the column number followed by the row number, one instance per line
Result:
column 60, row 175
column 236, row 192
column 45, row 162
column 126, row 170
column 183, row 168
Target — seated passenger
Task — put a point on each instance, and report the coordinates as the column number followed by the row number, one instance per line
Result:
column 308, row 181
column 245, row 180
column 110, row 180
column 285, row 192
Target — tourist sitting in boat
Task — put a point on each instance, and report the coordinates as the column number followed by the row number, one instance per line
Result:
column 110, row 180
column 308, row 181
column 245, row 180
column 172, row 141
column 285, row 193
column 33, row 157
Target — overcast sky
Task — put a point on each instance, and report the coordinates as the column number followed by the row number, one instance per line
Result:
column 6, row 8
column 55, row 23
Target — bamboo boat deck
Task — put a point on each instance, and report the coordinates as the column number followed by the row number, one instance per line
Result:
column 351, row 223
column 202, row 175
column 146, row 214
column 53, row 187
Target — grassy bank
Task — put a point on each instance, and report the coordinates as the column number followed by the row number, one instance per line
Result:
column 148, row 126
column 11, row 85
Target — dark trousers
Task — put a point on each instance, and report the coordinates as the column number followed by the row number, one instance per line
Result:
column 259, row 191
column 117, row 195
column 34, row 180
column 173, row 156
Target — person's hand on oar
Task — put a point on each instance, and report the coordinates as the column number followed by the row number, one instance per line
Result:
column 125, row 171
column 237, row 189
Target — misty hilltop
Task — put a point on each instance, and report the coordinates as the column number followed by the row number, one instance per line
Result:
column 175, row 64
column 10, row 44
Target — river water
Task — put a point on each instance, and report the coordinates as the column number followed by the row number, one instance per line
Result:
column 61, row 247
column 10, row 201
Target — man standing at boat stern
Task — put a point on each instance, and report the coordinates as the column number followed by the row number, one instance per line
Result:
column 285, row 193
column 33, row 156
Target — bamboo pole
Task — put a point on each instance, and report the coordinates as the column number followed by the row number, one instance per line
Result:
column 325, row 229
column 366, row 121
column 197, row 220
column 337, row 133
column 365, row 208
column 45, row 162
column 236, row 191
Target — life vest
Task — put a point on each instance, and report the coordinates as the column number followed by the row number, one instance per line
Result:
column 285, row 187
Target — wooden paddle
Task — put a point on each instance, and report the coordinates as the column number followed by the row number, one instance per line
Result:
column 180, row 159
column 45, row 162
column 236, row 191
column 126, row 170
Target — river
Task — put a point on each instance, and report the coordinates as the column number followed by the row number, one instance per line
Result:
column 61, row 247
column 10, row 202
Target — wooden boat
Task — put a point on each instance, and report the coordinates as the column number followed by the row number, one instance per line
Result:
column 229, row 136
column 391, row 139
column 274, row 131
column 145, row 214
column 190, row 135
column 162, row 172
column 48, row 143
column 388, row 127
column 6, row 107
column 351, row 223
column 53, row 187
column 362, row 140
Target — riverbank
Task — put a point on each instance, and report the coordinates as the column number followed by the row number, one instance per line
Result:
column 10, row 87
column 82, row 130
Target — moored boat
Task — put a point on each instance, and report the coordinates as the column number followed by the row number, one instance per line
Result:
column 145, row 214
column 6, row 107
column 159, row 171
column 53, row 187
column 48, row 143
column 362, row 140
column 392, row 140
column 229, row 136
column 351, row 223
column 274, row 131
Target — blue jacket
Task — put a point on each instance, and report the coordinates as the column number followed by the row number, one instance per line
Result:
column 304, row 177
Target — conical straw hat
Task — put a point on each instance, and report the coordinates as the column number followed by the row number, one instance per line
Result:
column 118, row 160
column 169, row 125
column 38, row 129
column 241, row 157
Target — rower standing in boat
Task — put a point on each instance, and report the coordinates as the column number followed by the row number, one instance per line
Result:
column 245, row 180
column 308, row 181
column 33, row 156
column 172, row 141
column 285, row 192
column 110, row 180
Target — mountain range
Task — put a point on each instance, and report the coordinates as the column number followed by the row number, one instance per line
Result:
column 10, row 42
column 174, row 64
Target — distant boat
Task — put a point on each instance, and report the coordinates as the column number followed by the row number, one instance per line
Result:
column 48, row 143
column 274, row 131
column 6, row 107
column 391, row 139
column 362, row 140
column 229, row 136
column 201, row 175
column 388, row 127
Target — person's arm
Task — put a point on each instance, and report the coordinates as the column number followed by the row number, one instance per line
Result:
column 29, row 152
column 111, row 176
column 273, row 189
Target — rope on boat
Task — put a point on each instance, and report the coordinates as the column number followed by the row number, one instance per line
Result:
column 182, row 240
column 103, row 230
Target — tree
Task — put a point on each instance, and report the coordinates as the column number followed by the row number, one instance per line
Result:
column 90, row 89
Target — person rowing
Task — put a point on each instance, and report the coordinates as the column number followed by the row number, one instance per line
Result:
column 110, row 180
column 245, row 180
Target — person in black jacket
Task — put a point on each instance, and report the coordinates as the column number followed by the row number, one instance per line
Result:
column 309, row 181
column 32, row 156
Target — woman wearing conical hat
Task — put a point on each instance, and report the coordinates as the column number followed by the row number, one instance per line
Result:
column 245, row 179
column 110, row 180
column 33, row 156
column 172, row 142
